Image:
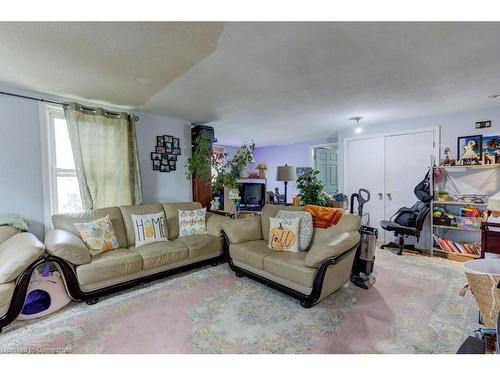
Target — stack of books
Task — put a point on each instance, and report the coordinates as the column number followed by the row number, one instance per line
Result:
column 457, row 247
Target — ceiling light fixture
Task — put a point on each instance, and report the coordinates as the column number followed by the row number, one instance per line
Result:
column 495, row 96
column 357, row 129
column 144, row 80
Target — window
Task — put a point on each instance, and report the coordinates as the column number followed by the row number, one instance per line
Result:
column 62, row 192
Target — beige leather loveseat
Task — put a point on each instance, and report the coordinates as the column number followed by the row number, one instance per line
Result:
column 18, row 253
column 309, row 276
column 88, row 278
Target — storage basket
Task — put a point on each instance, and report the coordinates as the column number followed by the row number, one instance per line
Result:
column 484, row 283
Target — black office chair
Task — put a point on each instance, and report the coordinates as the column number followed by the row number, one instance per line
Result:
column 408, row 222
column 413, row 227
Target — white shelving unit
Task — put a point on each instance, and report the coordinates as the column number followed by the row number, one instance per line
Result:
column 442, row 228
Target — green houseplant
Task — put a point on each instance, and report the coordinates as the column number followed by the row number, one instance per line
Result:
column 212, row 169
column 243, row 157
column 199, row 164
column 311, row 189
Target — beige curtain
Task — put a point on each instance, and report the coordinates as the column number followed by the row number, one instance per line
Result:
column 106, row 158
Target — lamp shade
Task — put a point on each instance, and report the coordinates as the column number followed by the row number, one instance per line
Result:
column 286, row 173
column 493, row 202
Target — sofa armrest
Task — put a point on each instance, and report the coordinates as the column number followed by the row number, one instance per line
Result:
column 17, row 254
column 214, row 224
column 243, row 230
column 336, row 245
column 67, row 245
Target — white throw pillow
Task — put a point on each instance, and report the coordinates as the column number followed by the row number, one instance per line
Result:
column 284, row 234
column 305, row 226
column 192, row 222
column 149, row 228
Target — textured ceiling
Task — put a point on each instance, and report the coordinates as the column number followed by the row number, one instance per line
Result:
column 100, row 61
column 270, row 82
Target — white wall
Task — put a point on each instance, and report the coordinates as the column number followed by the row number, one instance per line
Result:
column 451, row 126
column 21, row 188
column 20, row 166
column 296, row 154
column 163, row 186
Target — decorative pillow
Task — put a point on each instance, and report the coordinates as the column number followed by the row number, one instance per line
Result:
column 192, row 222
column 305, row 225
column 99, row 235
column 149, row 228
column 284, row 234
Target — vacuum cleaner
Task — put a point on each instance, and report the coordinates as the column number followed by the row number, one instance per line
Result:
column 362, row 269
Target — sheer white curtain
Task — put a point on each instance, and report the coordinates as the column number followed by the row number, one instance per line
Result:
column 106, row 159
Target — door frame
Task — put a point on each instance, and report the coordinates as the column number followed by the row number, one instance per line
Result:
column 319, row 145
column 437, row 145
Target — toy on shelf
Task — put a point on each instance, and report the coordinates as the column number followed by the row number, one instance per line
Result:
column 46, row 294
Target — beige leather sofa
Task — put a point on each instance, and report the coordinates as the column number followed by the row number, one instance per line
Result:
column 18, row 253
column 88, row 278
column 309, row 276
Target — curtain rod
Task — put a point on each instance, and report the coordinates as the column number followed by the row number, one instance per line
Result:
column 136, row 118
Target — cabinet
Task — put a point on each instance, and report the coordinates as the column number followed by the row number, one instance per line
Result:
column 389, row 166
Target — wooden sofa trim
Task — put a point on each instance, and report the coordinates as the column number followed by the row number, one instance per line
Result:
column 306, row 301
column 73, row 287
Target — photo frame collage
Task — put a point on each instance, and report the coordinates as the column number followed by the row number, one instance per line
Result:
column 165, row 155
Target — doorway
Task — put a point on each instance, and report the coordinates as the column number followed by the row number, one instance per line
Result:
column 325, row 160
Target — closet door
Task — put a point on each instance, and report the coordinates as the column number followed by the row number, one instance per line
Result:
column 407, row 159
column 364, row 168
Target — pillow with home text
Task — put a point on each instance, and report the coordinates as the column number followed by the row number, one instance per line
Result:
column 149, row 228
column 192, row 222
column 98, row 235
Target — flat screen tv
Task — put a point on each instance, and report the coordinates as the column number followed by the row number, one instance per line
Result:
column 253, row 196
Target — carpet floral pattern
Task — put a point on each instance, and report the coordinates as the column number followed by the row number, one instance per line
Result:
column 414, row 307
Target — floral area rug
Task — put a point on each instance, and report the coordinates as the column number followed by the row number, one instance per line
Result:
column 413, row 307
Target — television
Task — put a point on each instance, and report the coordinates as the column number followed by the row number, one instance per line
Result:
column 253, row 196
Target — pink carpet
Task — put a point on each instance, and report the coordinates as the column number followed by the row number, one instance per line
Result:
column 414, row 307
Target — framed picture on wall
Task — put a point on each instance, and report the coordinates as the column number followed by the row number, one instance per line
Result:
column 176, row 151
column 155, row 156
column 172, row 157
column 159, row 140
column 168, row 138
column 175, row 143
column 469, row 149
column 172, row 165
column 491, row 149
column 301, row 170
column 160, row 149
column 168, row 147
column 156, row 165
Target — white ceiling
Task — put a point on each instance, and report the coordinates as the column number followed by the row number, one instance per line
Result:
column 270, row 82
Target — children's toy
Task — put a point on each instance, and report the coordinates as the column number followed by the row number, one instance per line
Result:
column 46, row 294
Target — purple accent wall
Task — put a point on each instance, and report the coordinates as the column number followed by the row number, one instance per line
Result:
column 296, row 154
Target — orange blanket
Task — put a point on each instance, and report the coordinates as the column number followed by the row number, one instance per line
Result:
column 324, row 217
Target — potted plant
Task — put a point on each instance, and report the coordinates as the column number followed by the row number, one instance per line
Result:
column 243, row 157
column 199, row 164
column 262, row 168
column 311, row 189
column 443, row 196
column 211, row 168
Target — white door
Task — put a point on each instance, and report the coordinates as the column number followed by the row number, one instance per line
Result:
column 364, row 168
column 407, row 159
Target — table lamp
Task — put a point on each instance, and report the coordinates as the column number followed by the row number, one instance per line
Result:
column 286, row 173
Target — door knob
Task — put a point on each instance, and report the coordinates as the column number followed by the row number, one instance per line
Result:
column 380, row 195
column 388, row 195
